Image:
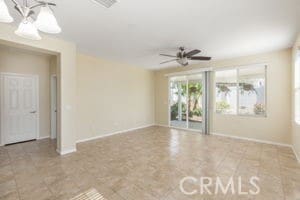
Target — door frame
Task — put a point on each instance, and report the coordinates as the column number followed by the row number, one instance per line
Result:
column 2, row 75
column 53, row 129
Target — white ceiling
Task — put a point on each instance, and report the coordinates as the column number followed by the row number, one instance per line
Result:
column 136, row 31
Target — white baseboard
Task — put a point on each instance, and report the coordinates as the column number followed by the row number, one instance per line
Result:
column 184, row 129
column 67, row 151
column 236, row 137
column 53, row 138
column 113, row 133
column 296, row 154
column 39, row 138
column 146, row 126
column 71, row 150
column 44, row 137
column 252, row 139
column 162, row 125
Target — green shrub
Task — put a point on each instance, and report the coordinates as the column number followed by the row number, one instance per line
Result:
column 222, row 106
column 174, row 111
column 259, row 109
column 197, row 112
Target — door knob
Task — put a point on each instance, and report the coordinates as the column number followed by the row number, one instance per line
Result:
column 33, row 112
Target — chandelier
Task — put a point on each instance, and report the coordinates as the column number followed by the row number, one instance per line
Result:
column 28, row 27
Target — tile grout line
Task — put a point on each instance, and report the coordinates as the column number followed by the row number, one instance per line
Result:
column 281, row 177
column 17, row 188
column 231, row 153
column 219, row 163
column 258, row 172
column 43, row 178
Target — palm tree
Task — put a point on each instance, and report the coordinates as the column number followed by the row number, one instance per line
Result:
column 195, row 93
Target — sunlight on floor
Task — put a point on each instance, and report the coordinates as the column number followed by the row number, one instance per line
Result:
column 91, row 194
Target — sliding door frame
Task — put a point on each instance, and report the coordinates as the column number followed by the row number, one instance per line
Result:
column 203, row 82
column 169, row 107
column 206, row 103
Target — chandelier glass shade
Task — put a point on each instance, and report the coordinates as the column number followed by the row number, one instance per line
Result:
column 28, row 28
column 4, row 13
column 46, row 22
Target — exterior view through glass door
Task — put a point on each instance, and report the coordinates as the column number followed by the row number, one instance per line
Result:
column 186, row 102
column 195, row 103
column 178, row 101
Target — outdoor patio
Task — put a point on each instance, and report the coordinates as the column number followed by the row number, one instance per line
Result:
column 182, row 124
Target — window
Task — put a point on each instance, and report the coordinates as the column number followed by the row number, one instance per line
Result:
column 241, row 91
column 226, row 92
column 252, row 91
column 297, row 90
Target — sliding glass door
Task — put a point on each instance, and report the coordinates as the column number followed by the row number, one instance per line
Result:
column 178, row 103
column 195, row 110
column 186, row 102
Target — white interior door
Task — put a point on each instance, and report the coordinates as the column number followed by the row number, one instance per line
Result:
column 53, row 106
column 19, row 108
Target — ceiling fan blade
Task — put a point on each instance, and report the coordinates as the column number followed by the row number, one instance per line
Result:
column 199, row 58
column 191, row 53
column 169, row 61
column 168, row 55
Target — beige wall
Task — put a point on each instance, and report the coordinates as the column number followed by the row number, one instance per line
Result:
column 295, row 126
column 13, row 60
column 90, row 102
column 54, row 65
column 275, row 127
column 66, row 51
column 112, row 97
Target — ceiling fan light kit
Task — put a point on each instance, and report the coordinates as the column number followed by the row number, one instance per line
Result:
column 28, row 28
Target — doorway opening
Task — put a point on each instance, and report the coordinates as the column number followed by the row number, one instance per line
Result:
column 27, row 95
column 53, row 89
column 188, row 102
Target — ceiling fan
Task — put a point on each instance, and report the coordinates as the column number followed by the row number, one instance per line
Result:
column 182, row 57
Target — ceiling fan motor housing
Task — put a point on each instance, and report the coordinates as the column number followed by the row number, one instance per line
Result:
column 182, row 57
column 183, row 61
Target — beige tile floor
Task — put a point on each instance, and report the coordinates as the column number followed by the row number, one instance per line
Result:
column 146, row 164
